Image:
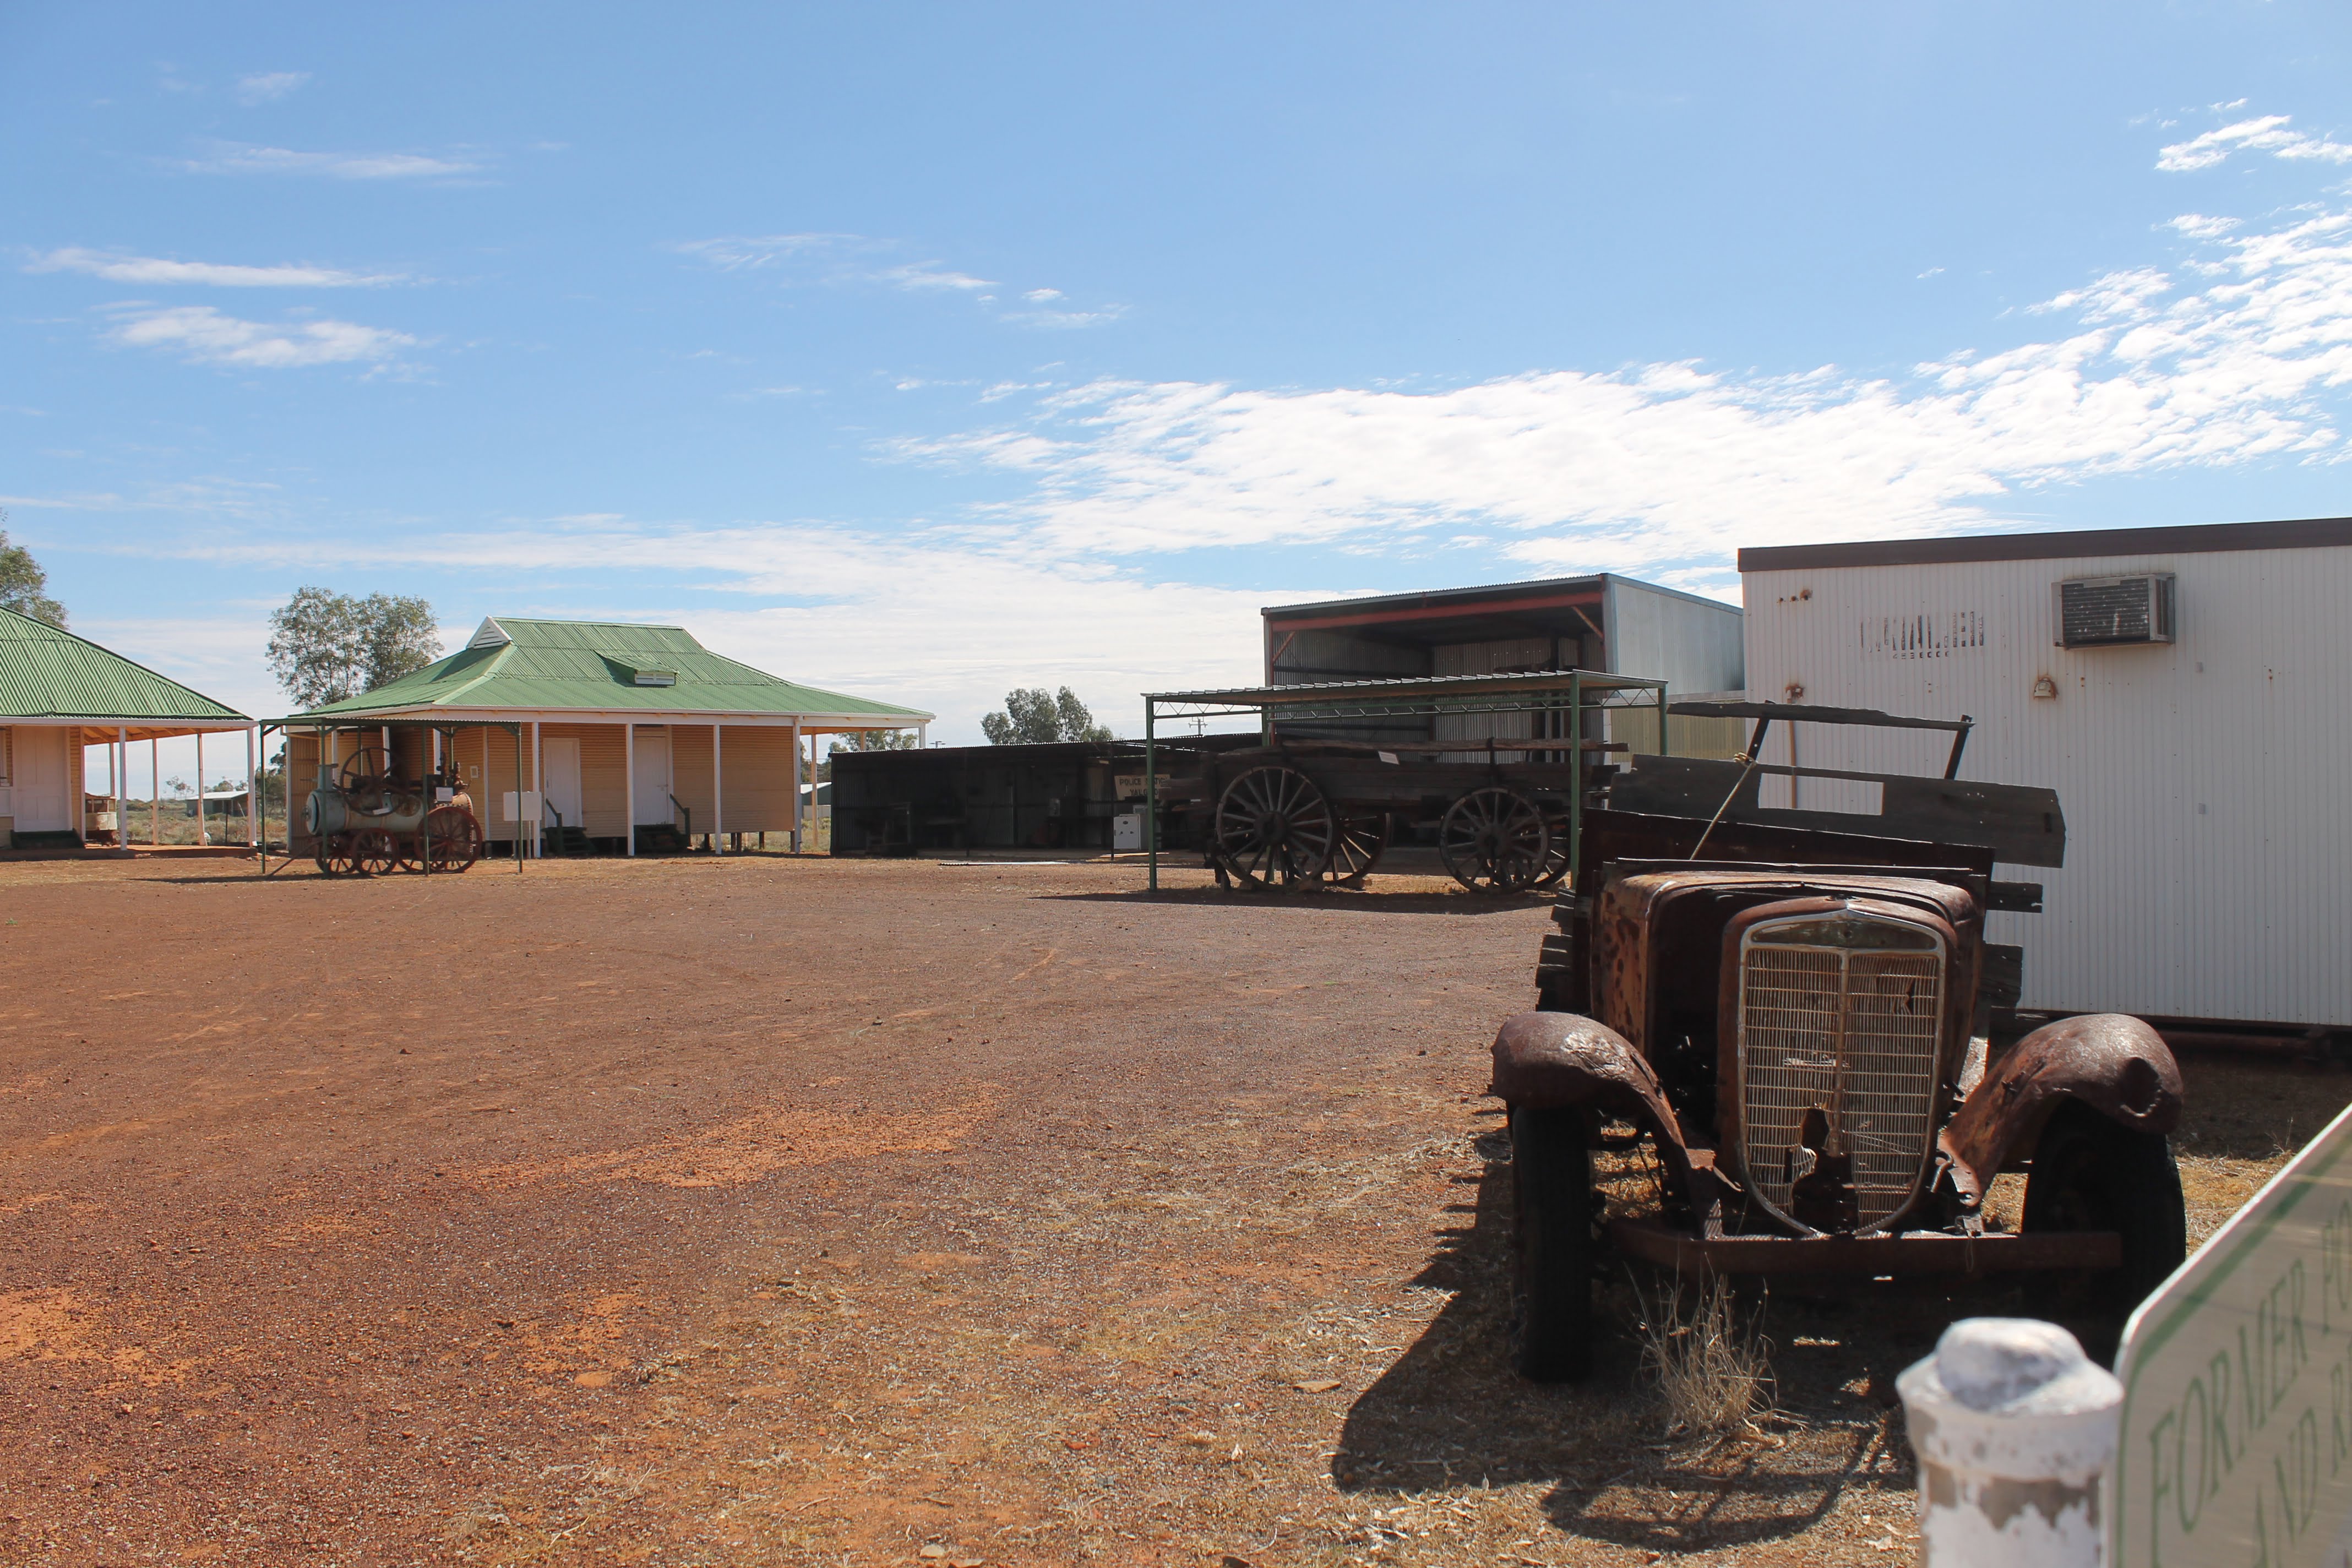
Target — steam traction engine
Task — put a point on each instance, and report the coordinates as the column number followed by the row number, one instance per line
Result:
column 365, row 823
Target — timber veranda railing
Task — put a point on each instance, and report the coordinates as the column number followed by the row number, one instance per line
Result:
column 1565, row 696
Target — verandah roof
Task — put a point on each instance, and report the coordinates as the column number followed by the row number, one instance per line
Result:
column 532, row 667
column 53, row 674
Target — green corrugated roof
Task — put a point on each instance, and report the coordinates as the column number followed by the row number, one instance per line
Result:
column 46, row 673
column 592, row 665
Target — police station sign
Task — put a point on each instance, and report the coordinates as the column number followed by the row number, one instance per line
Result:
column 2237, row 1415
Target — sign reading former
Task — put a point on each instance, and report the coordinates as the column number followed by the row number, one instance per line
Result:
column 2237, row 1415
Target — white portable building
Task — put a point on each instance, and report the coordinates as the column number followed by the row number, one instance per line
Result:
column 2184, row 690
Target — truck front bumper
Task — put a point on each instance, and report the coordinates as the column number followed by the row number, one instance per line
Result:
column 1908, row 1252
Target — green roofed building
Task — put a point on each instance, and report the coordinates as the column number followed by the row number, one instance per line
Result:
column 594, row 732
column 61, row 694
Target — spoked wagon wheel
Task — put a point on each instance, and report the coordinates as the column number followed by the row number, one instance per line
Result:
column 338, row 855
column 1555, row 863
column 453, row 837
column 375, row 852
column 1361, row 841
column 1494, row 840
column 364, row 776
column 1272, row 824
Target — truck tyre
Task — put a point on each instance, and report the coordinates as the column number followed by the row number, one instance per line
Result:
column 1552, row 1211
column 2091, row 1173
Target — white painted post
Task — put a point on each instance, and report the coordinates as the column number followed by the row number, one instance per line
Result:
column 2015, row 1430
column 796, row 783
column 204, row 826
column 118, row 762
column 252, row 789
column 922, row 737
column 629, row 768
column 718, row 793
column 539, row 788
column 154, row 790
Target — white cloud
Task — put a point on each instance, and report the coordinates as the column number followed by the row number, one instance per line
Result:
column 1042, row 318
column 2266, row 134
column 2196, row 225
column 266, row 87
column 853, row 259
column 749, row 252
column 149, row 270
column 929, row 275
column 917, row 619
column 244, row 158
column 202, row 333
column 1662, row 466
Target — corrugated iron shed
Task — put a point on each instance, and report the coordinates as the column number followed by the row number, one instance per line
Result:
column 48, row 674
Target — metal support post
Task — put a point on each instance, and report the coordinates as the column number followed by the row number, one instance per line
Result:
column 252, row 786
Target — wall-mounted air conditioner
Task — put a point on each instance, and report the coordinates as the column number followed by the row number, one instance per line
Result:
column 2113, row 612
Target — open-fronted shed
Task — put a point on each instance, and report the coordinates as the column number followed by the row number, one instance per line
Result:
column 596, row 733
column 60, row 694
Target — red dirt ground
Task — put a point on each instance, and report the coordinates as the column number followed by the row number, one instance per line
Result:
column 800, row 1210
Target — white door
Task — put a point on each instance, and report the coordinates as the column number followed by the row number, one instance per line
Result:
column 44, row 800
column 653, row 774
column 562, row 754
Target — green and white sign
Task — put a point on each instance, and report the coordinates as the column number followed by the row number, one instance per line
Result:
column 2237, row 1415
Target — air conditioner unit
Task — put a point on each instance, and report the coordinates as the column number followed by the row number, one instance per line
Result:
column 2113, row 612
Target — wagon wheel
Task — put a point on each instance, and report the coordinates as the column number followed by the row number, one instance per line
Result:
column 1494, row 841
column 1554, row 862
column 1361, row 841
column 375, row 852
column 456, row 839
column 338, row 855
column 1272, row 824
column 365, row 775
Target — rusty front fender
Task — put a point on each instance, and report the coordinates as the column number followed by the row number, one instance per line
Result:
column 1556, row 1060
column 2116, row 1065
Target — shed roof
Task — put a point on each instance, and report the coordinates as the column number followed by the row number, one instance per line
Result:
column 2294, row 533
column 518, row 666
column 47, row 673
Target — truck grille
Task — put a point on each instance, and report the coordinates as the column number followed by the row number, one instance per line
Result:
column 1840, row 1017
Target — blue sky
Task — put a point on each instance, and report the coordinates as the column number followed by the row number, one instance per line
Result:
column 923, row 351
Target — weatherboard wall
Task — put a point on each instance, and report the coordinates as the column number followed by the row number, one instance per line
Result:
column 2204, row 781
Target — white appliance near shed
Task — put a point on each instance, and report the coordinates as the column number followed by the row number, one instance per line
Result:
column 2187, row 691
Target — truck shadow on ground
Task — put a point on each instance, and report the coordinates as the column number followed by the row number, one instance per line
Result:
column 1335, row 899
column 1451, row 1414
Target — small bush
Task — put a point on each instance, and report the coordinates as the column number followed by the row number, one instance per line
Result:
column 1713, row 1371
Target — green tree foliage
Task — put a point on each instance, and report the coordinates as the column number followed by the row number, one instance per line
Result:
column 325, row 647
column 22, row 583
column 1032, row 715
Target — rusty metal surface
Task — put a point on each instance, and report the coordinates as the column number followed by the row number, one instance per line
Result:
column 2116, row 1065
column 1548, row 1059
column 1623, row 988
column 1835, row 1063
column 1913, row 1252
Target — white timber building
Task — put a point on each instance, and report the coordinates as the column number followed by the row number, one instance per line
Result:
column 2184, row 690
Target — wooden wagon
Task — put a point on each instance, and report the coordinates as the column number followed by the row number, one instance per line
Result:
column 1499, row 767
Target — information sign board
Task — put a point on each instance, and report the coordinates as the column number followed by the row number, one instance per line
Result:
column 2237, row 1415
